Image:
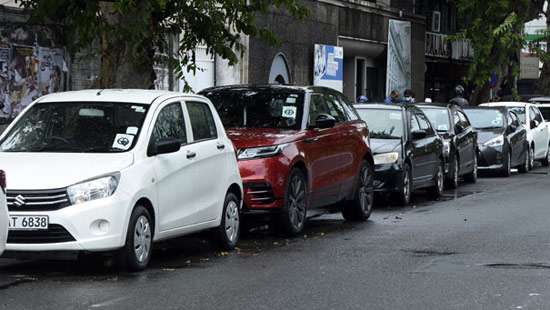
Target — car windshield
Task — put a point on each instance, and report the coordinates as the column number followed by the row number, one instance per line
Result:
column 76, row 127
column 545, row 112
column 383, row 123
column 248, row 108
column 439, row 118
column 520, row 112
column 485, row 118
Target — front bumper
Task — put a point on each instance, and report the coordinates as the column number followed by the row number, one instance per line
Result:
column 388, row 178
column 490, row 158
column 81, row 222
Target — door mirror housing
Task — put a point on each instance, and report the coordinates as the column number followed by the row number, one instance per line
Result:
column 325, row 121
column 164, row 147
column 419, row 134
column 459, row 128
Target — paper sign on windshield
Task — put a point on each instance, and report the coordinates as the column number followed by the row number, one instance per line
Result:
column 123, row 142
column 290, row 112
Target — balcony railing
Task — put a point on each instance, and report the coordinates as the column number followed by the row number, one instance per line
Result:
column 437, row 45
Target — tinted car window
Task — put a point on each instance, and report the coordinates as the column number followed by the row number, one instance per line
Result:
column 259, row 108
column 170, row 124
column 424, row 123
column 520, row 112
column 76, row 127
column 317, row 106
column 349, row 109
column 202, row 121
column 336, row 109
column 414, row 123
column 538, row 116
column 383, row 123
column 545, row 112
column 485, row 118
column 439, row 118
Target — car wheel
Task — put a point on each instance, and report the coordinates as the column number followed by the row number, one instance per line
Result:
column 452, row 180
column 437, row 189
column 227, row 234
column 546, row 161
column 293, row 216
column 472, row 176
column 506, row 165
column 404, row 196
column 531, row 158
column 136, row 254
column 360, row 208
column 524, row 168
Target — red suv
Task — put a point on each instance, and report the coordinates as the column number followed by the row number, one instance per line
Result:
column 298, row 148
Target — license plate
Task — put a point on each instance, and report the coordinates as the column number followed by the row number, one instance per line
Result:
column 28, row 222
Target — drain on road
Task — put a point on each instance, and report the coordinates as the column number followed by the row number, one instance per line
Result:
column 428, row 252
column 518, row 266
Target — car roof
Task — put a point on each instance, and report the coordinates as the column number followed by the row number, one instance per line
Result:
column 263, row 87
column 502, row 108
column 505, row 104
column 379, row 106
column 540, row 99
column 139, row 96
column 432, row 105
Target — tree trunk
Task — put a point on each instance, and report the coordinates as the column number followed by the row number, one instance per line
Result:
column 124, row 62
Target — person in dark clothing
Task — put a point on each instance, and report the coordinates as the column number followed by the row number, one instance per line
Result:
column 459, row 97
column 409, row 96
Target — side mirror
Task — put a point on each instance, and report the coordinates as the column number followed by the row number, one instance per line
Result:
column 419, row 134
column 164, row 147
column 459, row 128
column 325, row 121
column 534, row 123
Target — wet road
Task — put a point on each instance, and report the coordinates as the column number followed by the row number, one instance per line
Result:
column 485, row 246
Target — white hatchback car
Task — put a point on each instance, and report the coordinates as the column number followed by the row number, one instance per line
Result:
column 103, row 170
column 3, row 213
column 538, row 131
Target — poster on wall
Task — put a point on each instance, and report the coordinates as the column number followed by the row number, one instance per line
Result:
column 399, row 56
column 328, row 67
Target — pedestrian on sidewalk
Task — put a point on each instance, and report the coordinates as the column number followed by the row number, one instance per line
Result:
column 393, row 98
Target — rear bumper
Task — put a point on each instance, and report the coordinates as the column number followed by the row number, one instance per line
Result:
column 388, row 178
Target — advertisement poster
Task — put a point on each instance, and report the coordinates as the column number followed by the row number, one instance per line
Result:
column 399, row 56
column 328, row 67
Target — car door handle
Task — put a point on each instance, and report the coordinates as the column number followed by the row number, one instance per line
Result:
column 311, row 140
column 220, row 146
column 191, row 155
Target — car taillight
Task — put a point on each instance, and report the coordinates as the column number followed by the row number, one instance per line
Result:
column 3, row 180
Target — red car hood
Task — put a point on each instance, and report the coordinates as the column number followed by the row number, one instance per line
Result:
column 255, row 137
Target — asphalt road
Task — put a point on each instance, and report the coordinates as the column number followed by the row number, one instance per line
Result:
column 485, row 246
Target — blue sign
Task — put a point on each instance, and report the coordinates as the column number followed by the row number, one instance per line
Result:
column 329, row 67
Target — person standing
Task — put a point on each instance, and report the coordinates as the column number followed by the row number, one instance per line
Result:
column 409, row 97
column 393, row 98
column 459, row 97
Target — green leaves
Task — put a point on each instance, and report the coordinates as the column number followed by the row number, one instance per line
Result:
column 134, row 28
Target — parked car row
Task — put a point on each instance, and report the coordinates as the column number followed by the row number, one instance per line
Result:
column 117, row 170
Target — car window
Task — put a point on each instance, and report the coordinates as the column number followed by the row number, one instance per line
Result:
column 510, row 118
column 439, row 117
column 424, row 123
column 170, row 125
column 520, row 112
column 414, row 123
column 335, row 108
column 202, row 121
column 349, row 109
column 532, row 114
column 545, row 112
column 538, row 115
column 463, row 120
column 317, row 106
column 383, row 123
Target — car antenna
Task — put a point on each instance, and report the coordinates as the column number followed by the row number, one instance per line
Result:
column 99, row 92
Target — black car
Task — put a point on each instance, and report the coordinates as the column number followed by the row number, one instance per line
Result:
column 502, row 140
column 408, row 153
column 459, row 141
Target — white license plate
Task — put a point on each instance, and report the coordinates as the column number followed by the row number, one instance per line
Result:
column 28, row 222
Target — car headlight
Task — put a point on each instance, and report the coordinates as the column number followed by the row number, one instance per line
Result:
column 259, row 152
column 386, row 158
column 101, row 187
column 446, row 148
column 498, row 141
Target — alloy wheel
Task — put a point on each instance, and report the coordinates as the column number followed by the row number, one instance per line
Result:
column 142, row 239
column 232, row 221
column 297, row 202
column 366, row 197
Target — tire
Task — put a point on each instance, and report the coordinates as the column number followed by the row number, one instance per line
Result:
column 524, row 168
column 472, row 176
column 452, row 179
column 506, row 170
column 546, row 161
column 436, row 190
column 531, row 158
column 292, row 219
column 404, row 196
column 228, row 233
column 140, row 231
column 360, row 208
